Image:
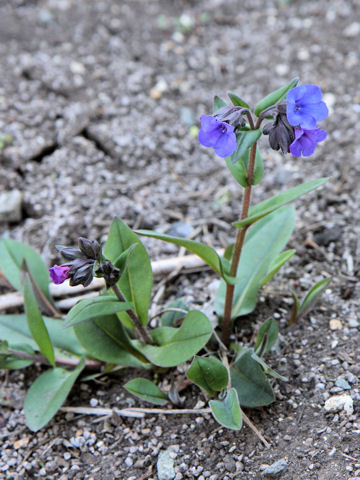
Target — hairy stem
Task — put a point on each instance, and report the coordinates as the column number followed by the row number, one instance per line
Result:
column 59, row 361
column 142, row 332
column 240, row 237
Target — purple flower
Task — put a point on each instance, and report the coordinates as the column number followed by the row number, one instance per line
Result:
column 218, row 135
column 59, row 273
column 306, row 141
column 304, row 106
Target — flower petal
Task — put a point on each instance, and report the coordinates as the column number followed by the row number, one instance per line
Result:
column 208, row 123
column 226, row 145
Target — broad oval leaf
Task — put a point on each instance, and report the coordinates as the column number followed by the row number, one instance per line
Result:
column 209, row 374
column 179, row 344
column 105, row 339
column 136, row 283
column 237, row 101
column 206, row 253
column 275, row 97
column 227, row 412
column 89, row 308
column 267, row 336
column 146, row 390
column 271, row 204
column 263, row 244
column 36, row 323
column 250, row 382
column 12, row 255
column 47, row 394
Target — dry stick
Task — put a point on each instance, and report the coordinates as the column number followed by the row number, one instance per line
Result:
column 141, row 412
column 240, row 237
column 140, row 329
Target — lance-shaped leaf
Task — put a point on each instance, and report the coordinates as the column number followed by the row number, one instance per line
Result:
column 36, row 323
column 89, row 308
column 237, row 101
column 227, row 412
column 105, row 339
column 206, row 253
column 218, row 103
column 177, row 345
column 271, row 204
column 250, row 382
column 301, row 309
column 174, row 311
column 136, row 283
column 238, row 166
column 47, row 394
column 268, row 370
column 209, row 374
column 267, row 336
column 275, row 97
column 12, row 256
column 146, row 390
column 263, row 243
column 276, row 265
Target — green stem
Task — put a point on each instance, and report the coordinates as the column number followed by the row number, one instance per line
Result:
column 139, row 328
column 240, row 237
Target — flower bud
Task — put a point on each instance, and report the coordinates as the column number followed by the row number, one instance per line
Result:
column 90, row 249
column 281, row 133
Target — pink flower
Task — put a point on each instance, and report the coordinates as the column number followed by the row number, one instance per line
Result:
column 59, row 273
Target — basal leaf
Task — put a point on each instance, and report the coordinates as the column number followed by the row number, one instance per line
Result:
column 312, row 296
column 89, row 308
column 36, row 323
column 146, row 390
column 268, row 370
column 169, row 318
column 209, row 374
column 270, row 205
column 267, row 336
column 179, row 344
column 227, row 412
column 47, row 394
column 136, row 283
column 250, row 382
column 275, row 97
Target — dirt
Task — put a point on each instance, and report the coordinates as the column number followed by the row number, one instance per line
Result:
column 99, row 98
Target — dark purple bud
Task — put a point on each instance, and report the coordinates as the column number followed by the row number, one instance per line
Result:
column 281, row 133
column 90, row 249
column 232, row 115
column 111, row 274
column 70, row 253
column 81, row 272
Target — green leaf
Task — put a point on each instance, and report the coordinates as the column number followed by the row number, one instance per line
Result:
column 227, row 412
column 36, row 323
column 295, row 308
column 179, row 344
column 122, row 260
column 206, row 253
column 146, row 390
column 12, row 363
column 270, row 205
column 12, row 256
column 250, row 382
column 237, row 101
column 14, row 329
column 267, row 336
column 136, row 283
column 263, row 244
column 47, row 394
column 218, row 103
column 239, row 168
column 312, row 296
column 267, row 369
column 105, row 339
column 275, row 97
column 276, row 265
column 209, row 374
column 89, row 308
column 169, row 318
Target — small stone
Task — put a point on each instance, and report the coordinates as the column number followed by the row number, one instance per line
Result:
column 10, row 206
column 128, row 461
column 21, row 443
column 340, row 402
column 352, row 30
column 342, row 383
column 353, row 322
column 229, row 463
column 335, row 324
column 276, row 469
column 165, row 466
column 181, row 229
column 93, row 402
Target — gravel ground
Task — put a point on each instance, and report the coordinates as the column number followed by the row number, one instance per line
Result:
column 99, row 98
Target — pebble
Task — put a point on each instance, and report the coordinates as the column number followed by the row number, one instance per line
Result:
column 340, row 402
column 165, row 465
column 342, row 383
column 352, row 30
column 335, row 324
column 10, row 206
column 276, row 469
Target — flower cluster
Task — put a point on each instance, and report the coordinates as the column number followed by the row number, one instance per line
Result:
column 293, row 130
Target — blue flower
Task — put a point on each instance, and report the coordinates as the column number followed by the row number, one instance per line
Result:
column 304, row 106
column 306, row 141
column 218, row 135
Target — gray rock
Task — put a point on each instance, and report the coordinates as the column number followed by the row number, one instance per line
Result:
column 342, row 383
column 10, row 206
column 165, row 465
column 276, row 469
column 181, row 229
column 230, row 464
